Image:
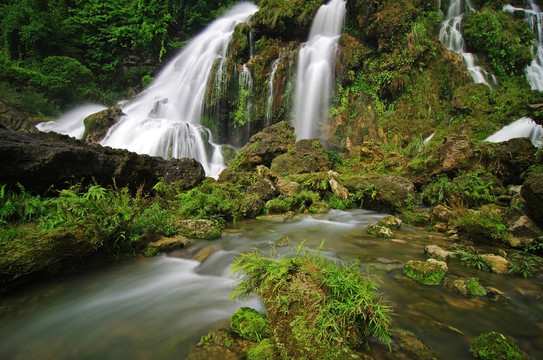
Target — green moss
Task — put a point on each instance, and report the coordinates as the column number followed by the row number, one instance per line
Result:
column 424, row 272
column 150, row 251
column 250, row 324
column 416, row 218
column 380, row 231
column 474, row 288
column 485, row 225
column 495, row 346
column 264, row 350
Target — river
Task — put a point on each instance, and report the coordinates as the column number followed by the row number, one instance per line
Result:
column 157, row 308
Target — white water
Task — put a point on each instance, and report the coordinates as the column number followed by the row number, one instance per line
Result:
column 534, row 18
column 71, row 122
column 315, row 69
column 523, row 127
column 450, row 36
column 269, row 102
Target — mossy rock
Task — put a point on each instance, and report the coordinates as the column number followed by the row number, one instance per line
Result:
column 307, row 156
column 264, row 350
column 199, row 229
column 97, row 125
column 424, row 272
column 250, row 324
column 380, row 231
column 409, row 343
column 532, row 191
column 390, row 222
column 495, row 346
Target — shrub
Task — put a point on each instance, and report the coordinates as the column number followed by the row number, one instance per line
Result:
column 482, row 226
column 250, row 324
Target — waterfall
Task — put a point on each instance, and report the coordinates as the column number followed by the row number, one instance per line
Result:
column 523, row 127
column 71, row 122
column 245, row 94
column 534, row 18
column 269, row 102
column 450, row 36
column 315, row 69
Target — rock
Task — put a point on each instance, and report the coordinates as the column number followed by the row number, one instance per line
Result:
column 287, row 188
column 532, row 191
column 264, row 189
column 493, row 345
column 307, row 156
column 318, row 208
column 407, row 342
column 39, row 160
column 466, row 287
column 167, row 244
column 390, row 222
column 441, row 213
column 338, row 190
column 424, row 272
column 435, row 251
column 441, row 227
column 283, row 242
column 252, row 206
column 380, row 231
column 220, row 343
column 380, row 192
column 13, row 119
column 523, row 232
column 497, row 264
column 262, row 172
column 264, row 146
column 510, row 159
column 199, row 229
column 496, row 295
column 441, row 264
column 97, row 125
column 454, row 155
column 204, row 253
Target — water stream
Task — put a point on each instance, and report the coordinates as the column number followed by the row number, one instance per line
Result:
column 523, row 127
column 270, row 99
column 451, row 37
column 315, row 76
column 157, row 308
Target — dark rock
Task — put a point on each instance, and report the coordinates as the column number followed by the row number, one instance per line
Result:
column 13, row 119
column 39, row 160
column 407, row 342
column 532, row 191
column 380, row 192
column 264, row 189
column 454, row 155
column 307, row 156
column 97, row 125
column 510, row 159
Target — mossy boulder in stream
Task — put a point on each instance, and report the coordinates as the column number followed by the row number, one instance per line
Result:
column 250, row 324
column 495, row 346
column 424, row 272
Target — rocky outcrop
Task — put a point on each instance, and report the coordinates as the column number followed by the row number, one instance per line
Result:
column 39, row 160
column 307, row 156
column 532, row 191
column 199, row 229
column 13, row 119
column 97, row 125
column 454, row 155
column 510, row 159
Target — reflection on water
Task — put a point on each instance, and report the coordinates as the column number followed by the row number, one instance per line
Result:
column 156, row 308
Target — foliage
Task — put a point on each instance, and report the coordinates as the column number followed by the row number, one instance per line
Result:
column 495, row 346
column 527, row 262
column 505, row 40
column 474, row 288
column 264, row 350
column 471, row 258
column 424, row 272
column 342, row 306
column 482, row 226
column 250, row 324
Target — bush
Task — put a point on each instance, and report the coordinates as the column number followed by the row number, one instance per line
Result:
column 482, row 226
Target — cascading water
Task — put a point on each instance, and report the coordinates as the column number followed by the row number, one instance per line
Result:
column 71, row 122
column 450, row 36
column 523, row 127
column 269, row 101
column 534, row 18
column 315, row 69
column 165, row 119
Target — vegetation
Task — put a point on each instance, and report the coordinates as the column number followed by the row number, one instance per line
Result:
column 496, row 346
column 318, row 309
column 424, row 272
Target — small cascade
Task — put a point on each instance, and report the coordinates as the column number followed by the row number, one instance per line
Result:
column 71, row 122
column 450, row 36
column 534, row 18
column 251, row 44
column 315, row 75
column 245, row 95
column 270, row 100
column 523, row 127
column 165, row 119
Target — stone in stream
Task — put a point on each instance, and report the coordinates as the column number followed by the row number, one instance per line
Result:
column 380, row 231
column 425, row 272
column 493, row 345
column 390, row 222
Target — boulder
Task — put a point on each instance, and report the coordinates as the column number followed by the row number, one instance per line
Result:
column 493, row 345
column 166, row 244
column 532, row 191
column 39, row 160
column 97, row 125
column 262, row 172
column 523, row 232
column 510, row 159
column 390, row 222
column 498, row 264
column 199, row 229
column 380, row 231
column 384, row 193
column 437, row 252
column 338, row 190
column 13, row 119
column 264, row 188
column 288, row 188
column 454, row 155
column 424, row 272
column 307, row 156
column 441, row 213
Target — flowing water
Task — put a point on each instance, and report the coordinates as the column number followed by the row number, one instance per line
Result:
column 270, row 100
column 157, row 308
column 523, row 127
column 315, row 76
column 451, row 37
column 71, row 122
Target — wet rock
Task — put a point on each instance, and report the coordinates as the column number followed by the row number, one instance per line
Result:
column 532, row 191
column 307, row 156
column 407, row 342
column 13, row 119
column 199, row 229
column 437, row 252
column 39, row 160
column 287, row 188
column 441, row 264
column 498, row 264
column 424, row 272
column 466, row 287
column 380, row 231
column 205, row 253
column 283, row 242
column 264, row 189
column 496, row 295
column 97, row 125
column 523, row 232
column 380, row 192
column 167, row 244
column 441, row 213
column 390, row 222
column 510, row 159
column 493, row 345
column 455, row 154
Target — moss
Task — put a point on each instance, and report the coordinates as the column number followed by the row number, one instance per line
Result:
column 380, row 231
column 250, row 324
column 474, row 288
column 264, row 350
column 495, row 346
column 424, row 272
column 484, row 226
column 150, row 251
column 416, row 218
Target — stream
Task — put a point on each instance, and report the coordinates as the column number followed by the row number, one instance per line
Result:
column 157, row 308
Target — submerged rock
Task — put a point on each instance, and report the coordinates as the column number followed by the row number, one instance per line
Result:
column 495, row 346
column 407, row 342
column 200, row 229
